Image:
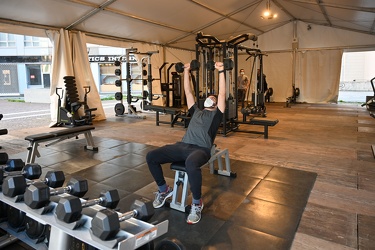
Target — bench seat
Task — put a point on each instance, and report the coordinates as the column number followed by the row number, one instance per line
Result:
column 259, row 122
column 181, row 180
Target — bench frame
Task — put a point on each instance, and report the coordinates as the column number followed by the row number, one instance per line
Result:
column 181, row 180
column 174, row 113
column 56, row 137
column 258, row 122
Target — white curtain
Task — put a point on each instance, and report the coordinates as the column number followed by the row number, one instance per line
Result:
column 70, row 59
column 318, row 75
column 278, row 70
column 83, row 75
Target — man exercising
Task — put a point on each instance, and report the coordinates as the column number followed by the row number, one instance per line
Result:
column 195, row 147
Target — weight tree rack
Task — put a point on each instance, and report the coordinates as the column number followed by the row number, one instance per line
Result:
column 133, row 234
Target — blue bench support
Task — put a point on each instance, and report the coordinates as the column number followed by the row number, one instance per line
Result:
column 181, row 180
column 56, row 137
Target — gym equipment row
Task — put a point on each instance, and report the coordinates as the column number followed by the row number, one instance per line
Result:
column 209, row 49
column 69, row 115
column 35, row 211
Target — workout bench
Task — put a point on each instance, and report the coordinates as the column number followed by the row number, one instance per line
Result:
column 181, row 178
column 259, row 122
column 175, row 114
column 56, row 137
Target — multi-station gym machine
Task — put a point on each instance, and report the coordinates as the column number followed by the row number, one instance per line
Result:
column 210, row 49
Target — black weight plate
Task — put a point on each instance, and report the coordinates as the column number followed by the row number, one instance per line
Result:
column 16, row 218
column 170, row 244
column 3, row 211
column 119, row 109
column 118, row 96
column 118, row 72
column 68, row 77
column 71, row 88
column 34, row 229
column 118, row 83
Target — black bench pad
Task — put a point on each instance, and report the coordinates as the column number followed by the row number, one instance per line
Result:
column 167, row 110
column 179, row 165
column 39, row 137
column 62, row 132
column 255, row 121
column 72, row 130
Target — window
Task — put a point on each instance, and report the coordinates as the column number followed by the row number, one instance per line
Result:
column 33, row 41
column 34, row 74
column 7, row 40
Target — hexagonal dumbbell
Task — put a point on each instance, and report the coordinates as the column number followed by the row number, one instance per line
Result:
column 106, row 223
column 69, row 208
column 30, row 171
column 38, row 194
column 16, row 185
column 14, row 165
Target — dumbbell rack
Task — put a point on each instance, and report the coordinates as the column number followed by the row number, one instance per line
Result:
column 133, row 234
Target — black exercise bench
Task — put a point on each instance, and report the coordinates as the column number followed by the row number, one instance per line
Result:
column 260, row 122
column 175, row 114
column 58, row 136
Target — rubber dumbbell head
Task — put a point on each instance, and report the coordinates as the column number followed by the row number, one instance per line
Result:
column 38, row 194
column 16, row 185
column 14, row 165
column 179, row 67
column 194, row 66
column 210, row 65
column 3, row 158
column 69, row 208
column 30, row 171
column 106, row 223
column 228, row 64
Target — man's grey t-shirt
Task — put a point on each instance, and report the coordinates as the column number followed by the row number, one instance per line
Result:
column 202, row 127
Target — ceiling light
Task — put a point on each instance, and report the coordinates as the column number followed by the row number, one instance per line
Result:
column 267, row 14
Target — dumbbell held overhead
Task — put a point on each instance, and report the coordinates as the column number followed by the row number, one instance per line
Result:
column 106, row 223
column 16, row 185
column 29, row 171
column 38, row 195
column 69, row 208
column 228, row 64
column 194, row 66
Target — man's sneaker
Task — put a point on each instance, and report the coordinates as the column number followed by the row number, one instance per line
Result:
column 195, row 213
column 160, row 198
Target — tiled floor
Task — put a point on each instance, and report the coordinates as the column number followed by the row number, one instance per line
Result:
column 264, row 201
column 262, row 207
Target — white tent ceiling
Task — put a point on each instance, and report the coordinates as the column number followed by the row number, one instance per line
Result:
column 175, row 23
